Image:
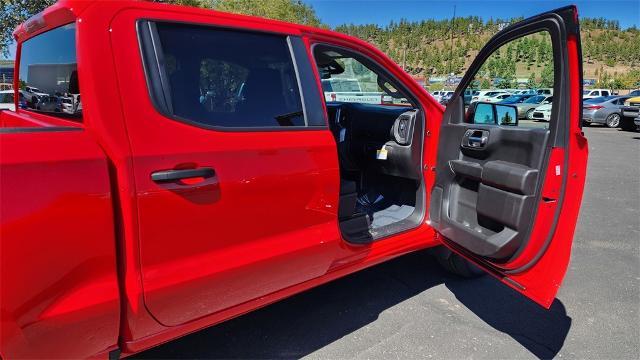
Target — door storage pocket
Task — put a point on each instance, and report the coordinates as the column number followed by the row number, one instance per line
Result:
column 509, row 209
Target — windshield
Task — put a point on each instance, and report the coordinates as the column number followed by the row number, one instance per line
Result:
column 535, row 100
column 356, row 74
column 341, row 85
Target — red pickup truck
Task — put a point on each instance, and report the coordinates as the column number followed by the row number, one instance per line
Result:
column 178, row 167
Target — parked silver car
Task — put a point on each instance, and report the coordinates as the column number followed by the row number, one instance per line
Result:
column 525, row 108
column 603, row 110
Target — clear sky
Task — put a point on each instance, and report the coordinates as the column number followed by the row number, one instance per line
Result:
column 336, row 12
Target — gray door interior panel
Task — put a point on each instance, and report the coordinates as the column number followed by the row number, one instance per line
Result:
column 484, row 198
column 489, row 177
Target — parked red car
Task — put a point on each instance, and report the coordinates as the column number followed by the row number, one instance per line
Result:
column 196, row 173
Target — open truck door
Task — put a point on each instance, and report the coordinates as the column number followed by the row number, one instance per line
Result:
column 508, row 191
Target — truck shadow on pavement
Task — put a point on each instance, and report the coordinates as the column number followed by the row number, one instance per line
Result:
column 312, row 320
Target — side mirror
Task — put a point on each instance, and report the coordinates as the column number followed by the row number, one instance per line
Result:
column 495, row 114
column 507, row 115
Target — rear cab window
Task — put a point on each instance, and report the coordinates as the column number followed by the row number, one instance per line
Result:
column 48, row 75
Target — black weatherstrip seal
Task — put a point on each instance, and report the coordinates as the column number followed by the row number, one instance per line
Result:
column 309, row 92
column 153, row 65
column 17, row 130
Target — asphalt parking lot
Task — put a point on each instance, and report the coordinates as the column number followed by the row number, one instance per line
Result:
column 410, row 308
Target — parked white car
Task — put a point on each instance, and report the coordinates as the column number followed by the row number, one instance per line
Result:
column 545, row 91
column 542, row 112
column 594, row 93
column 497, row 97
column 442, row 94
column 485, row 94
column 66, row 103
column 525, row 92
column 7, row 100
column 32, row 94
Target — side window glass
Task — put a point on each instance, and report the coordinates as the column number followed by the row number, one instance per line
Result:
column 222, row 85
column 347, row 78
column 227, row 78
column 514, row 86
column 48, row 73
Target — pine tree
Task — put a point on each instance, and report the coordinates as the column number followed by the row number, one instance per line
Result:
column 531, row 82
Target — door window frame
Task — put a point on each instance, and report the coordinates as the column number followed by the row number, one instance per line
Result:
column 556, row 25
column 422, row 200
column 372, row 65
column 558, row 130
column 61, row 122
column 158, row 86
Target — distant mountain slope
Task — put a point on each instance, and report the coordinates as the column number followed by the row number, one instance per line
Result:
column 425, row 47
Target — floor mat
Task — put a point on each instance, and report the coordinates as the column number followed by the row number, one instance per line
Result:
column 390, row 215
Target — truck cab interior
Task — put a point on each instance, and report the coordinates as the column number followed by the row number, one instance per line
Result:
column 378, row 133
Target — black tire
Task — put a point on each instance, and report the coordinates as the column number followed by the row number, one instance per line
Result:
column 456, row 264
column 613, row 120
column 626, row 124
